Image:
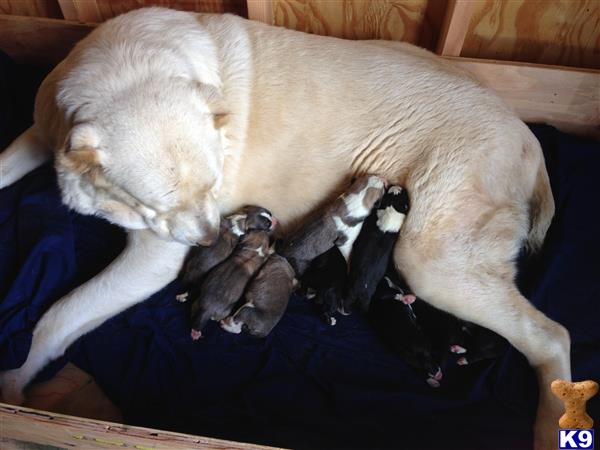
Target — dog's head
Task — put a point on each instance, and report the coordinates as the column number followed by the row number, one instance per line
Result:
column 150, row 158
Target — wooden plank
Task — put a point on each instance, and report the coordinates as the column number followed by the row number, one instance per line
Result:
column 455, row 26
column 561, row 96
column 261, row 10
column 37, row 41
column 397, row 20
column 112, row 8
column 34, row 8
column 562, row 32
column 73, row 392
column 69, row 11
column 31, row 425
column 87, row 11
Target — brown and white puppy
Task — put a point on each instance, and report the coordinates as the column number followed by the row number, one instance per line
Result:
column 200, row 260
column 224, row 285
column 339, row 224
column 266, row 299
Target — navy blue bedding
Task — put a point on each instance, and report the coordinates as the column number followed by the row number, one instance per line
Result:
column 307, row 385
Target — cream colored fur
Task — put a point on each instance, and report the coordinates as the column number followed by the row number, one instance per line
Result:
column 161, row 121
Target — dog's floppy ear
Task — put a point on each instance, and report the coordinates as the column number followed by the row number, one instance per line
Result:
column 82, row 149
column 214, row 100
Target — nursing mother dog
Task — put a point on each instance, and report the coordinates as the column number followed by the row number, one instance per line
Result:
column 161, row 121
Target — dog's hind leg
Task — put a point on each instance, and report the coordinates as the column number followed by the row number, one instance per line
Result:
column 468, row 278
column 26, row 153
column 146, row 265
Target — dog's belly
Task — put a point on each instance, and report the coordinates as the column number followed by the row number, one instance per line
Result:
column 347, row 108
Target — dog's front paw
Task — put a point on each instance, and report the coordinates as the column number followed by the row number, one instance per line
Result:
column 12, row 390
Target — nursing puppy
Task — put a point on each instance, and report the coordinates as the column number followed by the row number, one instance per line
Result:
column 449, row 335
column 479, row 344
column 266, row 299
column 224, row 286
column 373, row 247
column 200, row 260
column 338, row 225
column 394, row 319
column 325, row 281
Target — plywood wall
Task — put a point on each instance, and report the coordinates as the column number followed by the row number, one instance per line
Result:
column 563, row 32
column 413, row 21
column 111, row 8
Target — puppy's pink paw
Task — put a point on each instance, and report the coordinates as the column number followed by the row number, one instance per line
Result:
column 437, row 376
column 462, row 361
column 408, row 299
column 433, row 382
column 458, row 349
column 196, row 334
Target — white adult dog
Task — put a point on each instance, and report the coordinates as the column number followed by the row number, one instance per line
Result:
column 160, row 121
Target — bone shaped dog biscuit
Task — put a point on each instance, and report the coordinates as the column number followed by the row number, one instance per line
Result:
column 575, row 395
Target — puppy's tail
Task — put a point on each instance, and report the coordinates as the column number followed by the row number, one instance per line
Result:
column 25, row 154
column 541, row 208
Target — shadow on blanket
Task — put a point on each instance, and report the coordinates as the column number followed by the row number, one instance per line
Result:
column 307, row 385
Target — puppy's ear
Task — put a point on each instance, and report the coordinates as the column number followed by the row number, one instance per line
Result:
column 214, row 101
column 82, row 149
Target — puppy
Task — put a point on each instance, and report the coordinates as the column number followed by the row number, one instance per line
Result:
column 449, row 335
column 393, row 317
column 338, row 225
column 480, row 344
column 266, row 299
column 373, row 247
column 325, row 281
column 200, row 260
column 224, row 285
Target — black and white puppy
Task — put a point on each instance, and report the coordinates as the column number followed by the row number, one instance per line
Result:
column 373, row 247
column 266, row 299
column 325, row 281
column 391, row 314
column 338, row 225
column 225, row 284
column 200, row 260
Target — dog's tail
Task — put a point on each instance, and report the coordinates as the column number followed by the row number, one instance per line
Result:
column 25, row 154
column 541, row 206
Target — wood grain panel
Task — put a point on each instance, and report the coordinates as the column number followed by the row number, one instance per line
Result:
column 111, row 8
column 562, row 32
column 34, row 8
column 405, row 20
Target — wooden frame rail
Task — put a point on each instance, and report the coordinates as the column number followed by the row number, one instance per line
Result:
column 455, row 26
column 80, row 10
column 260, row 10
column 31, row 425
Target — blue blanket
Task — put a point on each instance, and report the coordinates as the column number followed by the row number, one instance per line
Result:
column 307, row 385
